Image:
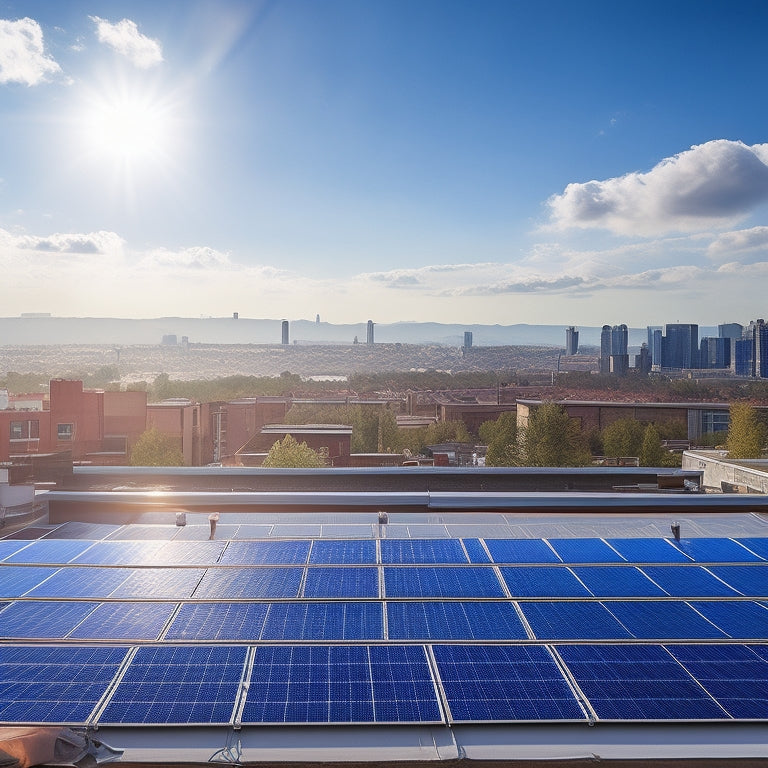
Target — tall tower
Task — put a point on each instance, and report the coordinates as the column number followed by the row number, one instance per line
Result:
column 605, row 349
column 285, row 332
column 571, row 341
column 369, row 333
column 680, row 346
column 467, row 339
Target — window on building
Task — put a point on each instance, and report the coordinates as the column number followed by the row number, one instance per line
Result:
column 25, row 430
column 65, row 431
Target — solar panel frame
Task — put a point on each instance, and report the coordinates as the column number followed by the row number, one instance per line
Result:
column 476, row 552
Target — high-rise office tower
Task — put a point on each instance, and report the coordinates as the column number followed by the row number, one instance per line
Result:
column 571, row 341
column 613, row 350
column 680, row 346
column 715, row 352
column 643, row 361
column 752, row 351
column 369, row 333
column 655, row 333
column 605, row 349
column 284, row 339
column 467, row 339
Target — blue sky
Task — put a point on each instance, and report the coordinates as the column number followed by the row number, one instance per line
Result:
column 477, row 161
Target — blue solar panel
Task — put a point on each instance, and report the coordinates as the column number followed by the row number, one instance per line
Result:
column 739, row 619
column 324, row 621
column 585, row 551
column 340, row 552
column 758, row 546
column 475, row 551
column 543, row 581
column 249, row 583
column 617, row 581
column 504, row 683
column 266, row 553
column 50, row 551
column 124, row 621
column 663, row 620
column 189, row 684
column 750, row 580
column 337, row 684
column 17, row 580
column 341, row 582
column 9, row 546
column 121, row 553
column 42, row 619
column 572, row 621
column 82, row 582
column 707, row 550
column 173, row 583
column 637, row 682
column 413, row 551
column 190, row 553
column 760, row 650
column 648, row 551
column 520, row 551
column 438, row 581
column 54, row 685
column 687, row 581
column 733, row 674
column 218, row 621
column 453, row 621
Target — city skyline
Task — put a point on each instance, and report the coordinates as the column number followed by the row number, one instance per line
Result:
column 455, row 162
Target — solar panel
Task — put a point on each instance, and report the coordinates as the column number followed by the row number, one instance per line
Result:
column 347, row 531
column 453, row 621
column 732, row 674
column 341, row 582
column 172, row 684
column 617, row 581
column 637, row 682
column 124, row 621
column 50, row 551
column 121, row 553
column 648, row 551
column 249, row 583
column 190, row 553
column 144, row 532
column 76, row 530
column 324, row 621
column 585, row 551
column 739, row 619
column 42, row 619
column 249, row 531
column 572, row 621
column 265, row 553
column 412, row 551
column 168, row 583
column 663, row 620
column 218, row 621
column 688, row 581
column 470, row 581
column 9, row 546
column 750, row 580
column 520, row 551
column 17, row 580
column 758, row 545
column 543, row 581
column 504, row 683
column 54, row 685
column 709, row 550
column 475, row 551
column 340, row 552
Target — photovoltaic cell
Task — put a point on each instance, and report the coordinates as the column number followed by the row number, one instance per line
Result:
column 648, row 551
column 124, row 621
column 173, row 684
column 732, row 674
column 750, row 580
column 256, row 583
column 9, row 546
column 739, row 619
column 218, row 621
column 144, row 533
column 758, row 545
column 520, row 551
column 121, row 553
column 438, row 581
column 50, row 551
column 324, row 621
column 413, row 551
column 663, row 620
column 42, row 619
column 342, row 582
column 504, row 683
column 173, row 583
column 17, row 580
column 618, row 581
column 710, row 550
column 637, row 682
column 190, row 553
column 265, row 553
column 453, row 621
column 688, row 581
column 76, row 530
column 82, row 582
column 476, row 551
column 585, row 551
column 543, row 581
column 340, row 552
column 572, row 621
column 54, row 685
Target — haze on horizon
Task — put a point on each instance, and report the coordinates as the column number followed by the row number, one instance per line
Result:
column 491, row 161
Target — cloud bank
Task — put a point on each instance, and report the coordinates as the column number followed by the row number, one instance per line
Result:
column 22, row 53
column 125, row 38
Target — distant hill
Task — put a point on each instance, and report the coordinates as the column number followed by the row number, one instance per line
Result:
column 25, row 331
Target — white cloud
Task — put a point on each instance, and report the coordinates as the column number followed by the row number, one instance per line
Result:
column 125, row 38
column 91, row 243
column 22, row 54
column 710, row 185
column 197, row 257
column 744, row 246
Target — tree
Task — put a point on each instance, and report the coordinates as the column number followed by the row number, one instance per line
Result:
column 553, row 439
column 652, row 453
column 623, row 438
column 155, row 449
column 746, row 433
column 288, row 452
column 501, row 438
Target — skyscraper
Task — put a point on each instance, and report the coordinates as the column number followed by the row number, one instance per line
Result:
column 605, row 349
column 655, row 333
column 752, row 351
column 369, row 333
column 715, row 352
column 613, row 350
column 680, row 346
column 571, row 341
column 467, row 339
column 284, row 339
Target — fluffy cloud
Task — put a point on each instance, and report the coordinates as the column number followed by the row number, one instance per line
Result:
column 198, row 257
column 710, row 185
column 125, row 38
column 746, row 245
column 22, row 55
column 91, row 243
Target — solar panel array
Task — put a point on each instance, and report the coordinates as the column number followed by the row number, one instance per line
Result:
column 153, row 631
